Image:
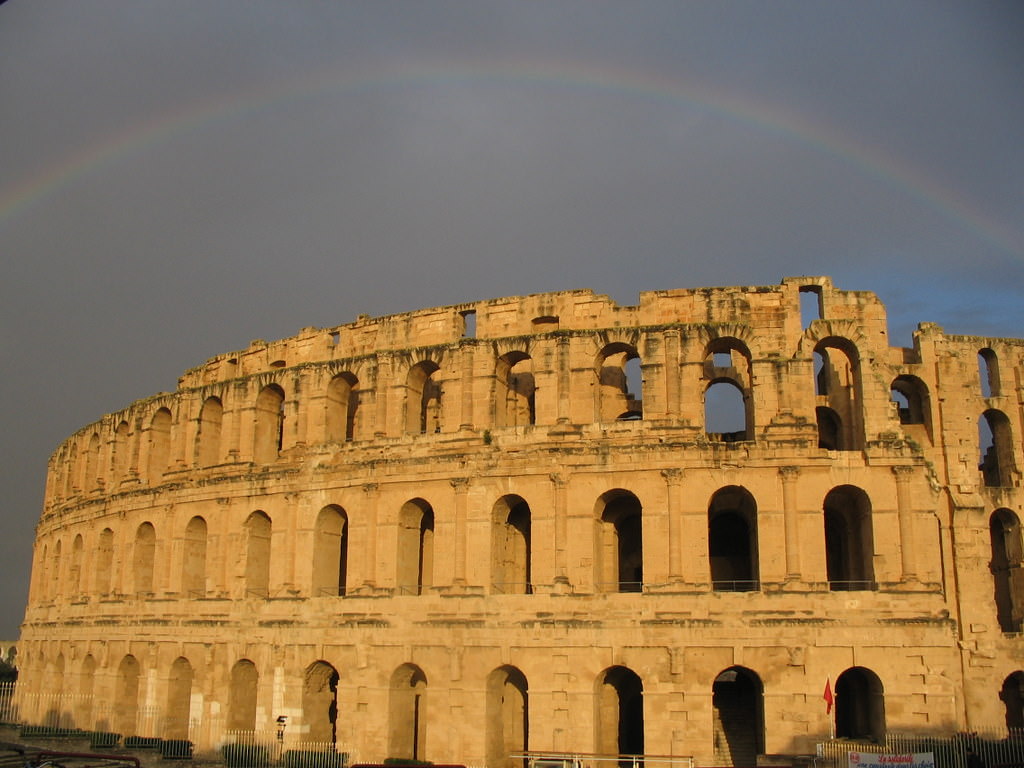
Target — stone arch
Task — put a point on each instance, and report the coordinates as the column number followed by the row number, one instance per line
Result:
column 732, row 540
column 268, row 434
column 849, row 539
column 514, row 401
column 1005, row 566
column 143, row 558
column 838, row 386
column 619, row 546
column 159, row 445
column 995, row 438
column 737, row 703
column 342, row 412
column 104, row 566
column 179, row 700
column 423, row 411
column 193, row 562
column 208, row 435
column 728, row 394
column 507, row 717
column 415, row 562
column 86, row 686
column 126, row 701
column 407, row 726
column 913, row 405
column 330, row 552
column 258, row 534
column 619, row 719
column 860, row 705
column 75, row 584
column 614, row 395
column 320, row 702
column 91, row 479
column 511, row 546
column 988, row 372
column 242, row 696
column 1012, row 695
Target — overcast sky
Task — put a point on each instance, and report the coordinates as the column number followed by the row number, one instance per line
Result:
column 179, row 178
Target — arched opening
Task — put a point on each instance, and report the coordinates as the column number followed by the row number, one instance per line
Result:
column 92, row 462
column 211, row 417
column 1007, row 577
column 126, row 702
column 342, row 407
column 995, row 439
column 423, row 399
column 193, row 563
column 320, row 702
column 407, row 732
column 514, row 403
column 988, row 372
column 258, row 531
column 511, row 546
column 725, row 417
column 143, row 558
column 811, row 305
column 121, row 451
column 330, row 552
column 619, row 556
column 508, row 718
column 830, row 428
column 732, row 541
column 179, row 700
column 737, row 701
column 913, row 406
column 242, row 697
column 415, row 547
column 104, row 562
column 86, row 686
column 860, row 706
column 269, row 431
column 55, row 564
column 618, row 387
column 70, row 468
column 1012, row 696
column 838, row 387
column 159, row 445
column 619, row 722
column 75, row 586
column 849, row 540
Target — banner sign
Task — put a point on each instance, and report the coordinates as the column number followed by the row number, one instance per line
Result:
column 875, row 760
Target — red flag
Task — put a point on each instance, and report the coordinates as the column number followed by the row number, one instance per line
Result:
column 829, row 698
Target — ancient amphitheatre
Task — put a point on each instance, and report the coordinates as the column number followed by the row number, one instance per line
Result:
column 461, row 533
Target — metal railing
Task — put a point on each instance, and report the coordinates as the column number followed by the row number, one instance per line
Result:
column 997, row 748
column 853, row 585
column 736, row 585
column 596, row 760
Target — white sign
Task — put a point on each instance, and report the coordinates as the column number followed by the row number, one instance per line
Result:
column 875, row 760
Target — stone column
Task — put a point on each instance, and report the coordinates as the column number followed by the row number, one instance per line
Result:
column 370, row 495
column 673, row 482
column 671, row 373
column 791, row 521
column 559, row 484
column 905, row 512
column 562, row 368
column 384, row 372
column 466, row 361
column 461, row 486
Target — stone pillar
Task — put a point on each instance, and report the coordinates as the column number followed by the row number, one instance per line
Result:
column 466, row 385
column 791, row 521
column 370, row 494
column 905, row 512
column 674, row 481
column 461, row 486
column 384, row 372
column 562, row 366
column 559, row 484
column 671, row 373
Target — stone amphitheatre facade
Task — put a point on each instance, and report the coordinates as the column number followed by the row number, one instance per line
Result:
column 548, row 523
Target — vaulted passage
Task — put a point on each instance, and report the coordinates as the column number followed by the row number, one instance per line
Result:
column 330, row 552
column 732, row 540
column 511, row 547
column 242, row 697
column 620, row 549
column 860, row 705
column 508, row 719
column 1005, row 565
column 179, row 698
column 849, row 540
column 620, row 713
column 737, row 700
column 415, row 557
column 320, row 702
column 408, row 714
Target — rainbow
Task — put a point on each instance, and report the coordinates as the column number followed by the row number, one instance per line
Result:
column 29, row 191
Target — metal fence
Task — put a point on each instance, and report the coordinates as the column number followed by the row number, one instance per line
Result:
column 996, row 748
column 534, row 759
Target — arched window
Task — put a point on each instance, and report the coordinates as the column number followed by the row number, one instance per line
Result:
column 159, row 445
column 849, row 540
column 912, row 403
column 193, row 565
column 724, row 412
column 75, row 586
column 330, row 552
column 57, row 565
column 619, row 556
column 618, row 385
column 732, row 541
column 830, row 428
column 269, row 433
column 258, row 532
column 737, row 700
column 838, row 387
column 242, row 696
column 92, row 462
column 507, row 717
column 70, row 469
column 415, row 547
column 126, row 702
column 179, row 700
column 211, row 416
column 619, row 720
column 407, row 728
column 104, row 562
column 727, row 394
column 860, row 705
column 122, row 460
column 1012, row 696
column 143, row 558
column 84, row 700
column 342, row 408
column 995, row 438
column 988, row 372
column 1008, row 580
column 511, row 547
column 514, row 404
column 320, row 703
column 423, row 412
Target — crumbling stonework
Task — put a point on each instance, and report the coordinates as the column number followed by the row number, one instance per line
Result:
column 463, row 532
